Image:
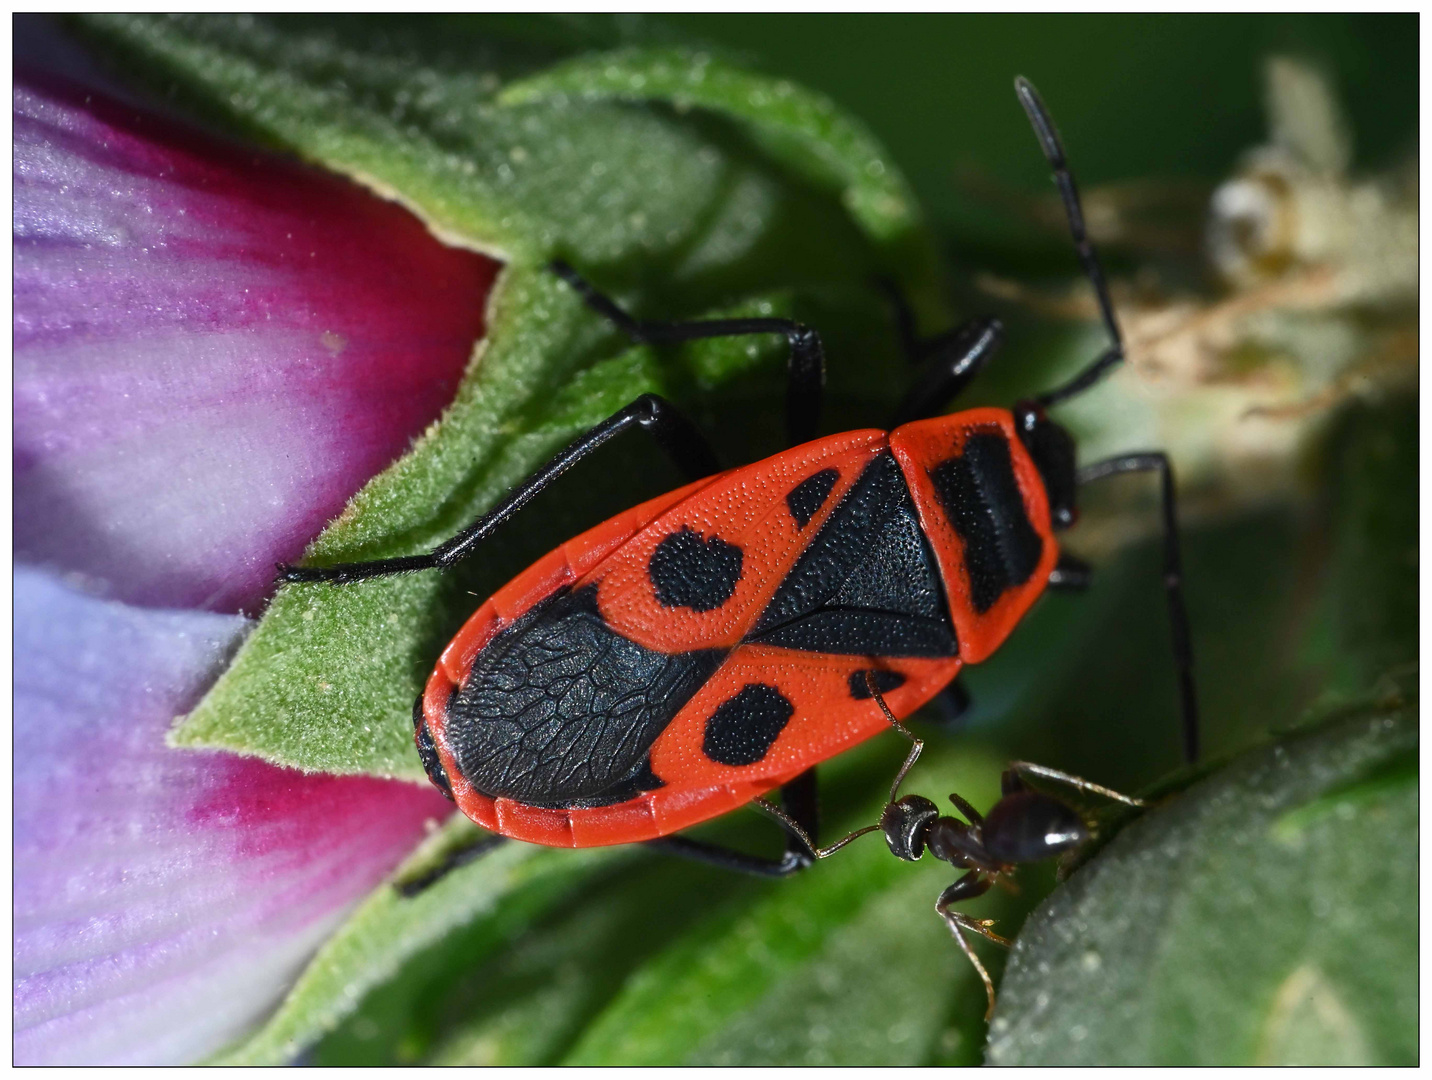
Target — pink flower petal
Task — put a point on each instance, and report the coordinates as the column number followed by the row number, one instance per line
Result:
column 163, row 899
column 215, row 348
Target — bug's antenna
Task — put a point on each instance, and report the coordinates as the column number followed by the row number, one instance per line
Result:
column 1048, row 136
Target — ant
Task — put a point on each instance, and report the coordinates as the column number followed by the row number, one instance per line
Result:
column 1024, row 826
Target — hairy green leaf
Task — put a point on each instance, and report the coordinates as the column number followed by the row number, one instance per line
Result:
column 1263, row 916
column 662, row 961
column 805, row 130
column 682, row 211
column 493, row 899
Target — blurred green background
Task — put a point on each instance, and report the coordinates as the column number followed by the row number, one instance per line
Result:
column 1134, row 95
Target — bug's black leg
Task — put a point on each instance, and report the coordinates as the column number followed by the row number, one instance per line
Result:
column 1070, row 574
column 728, row 858
column 912, row 344
column 1049, row 142
column 957, row 358
column 951, row 360
column 805, row 367
column 673, row 432
column 458, row 857
column 802, row 803
column 1172, row 574
column 950, row 706
column 801, row 810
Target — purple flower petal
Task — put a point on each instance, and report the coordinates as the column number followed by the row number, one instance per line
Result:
column 164, row 898
column 215, row 348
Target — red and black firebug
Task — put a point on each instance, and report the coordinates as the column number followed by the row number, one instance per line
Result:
column 698, row 651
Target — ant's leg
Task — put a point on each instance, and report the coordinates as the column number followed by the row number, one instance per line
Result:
column 451, row 861
column 1048, row 136
column 1011, row 782
column 676, row 435
column 967, row 888
column 799, row 819
column 1173, row 578
column 805, row 367
column 973, row 816
column 975, row 883
column 958, row 357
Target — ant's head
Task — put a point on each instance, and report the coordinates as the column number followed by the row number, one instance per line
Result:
column 906, row 824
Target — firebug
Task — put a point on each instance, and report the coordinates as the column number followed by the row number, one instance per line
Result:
column 704, row 648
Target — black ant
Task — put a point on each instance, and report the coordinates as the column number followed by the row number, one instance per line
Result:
column 1024, row 826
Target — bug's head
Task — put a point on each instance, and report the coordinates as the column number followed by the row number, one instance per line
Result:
column 1052, row 448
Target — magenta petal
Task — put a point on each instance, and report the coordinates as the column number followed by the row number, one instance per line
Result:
column 164, row 899
column 215, row 348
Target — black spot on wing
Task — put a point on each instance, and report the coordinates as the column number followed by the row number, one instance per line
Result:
column 743, row 727
column 981, row 497
column 867, row 581
column 689, row 571
column 810, row 494
column 885, row 681
column 561, row 710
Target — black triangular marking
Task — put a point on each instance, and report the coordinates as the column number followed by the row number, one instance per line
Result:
column 867, row 584
column 897, row 573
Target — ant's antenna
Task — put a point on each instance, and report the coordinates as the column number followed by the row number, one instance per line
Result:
column 1053, row 149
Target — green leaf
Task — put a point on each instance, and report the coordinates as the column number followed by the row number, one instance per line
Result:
column 774, row 982
column 493, row 898
column 681, row 211
column 663, row 961
column 1368, row 615
column 1266, row 915
column 804, row 130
